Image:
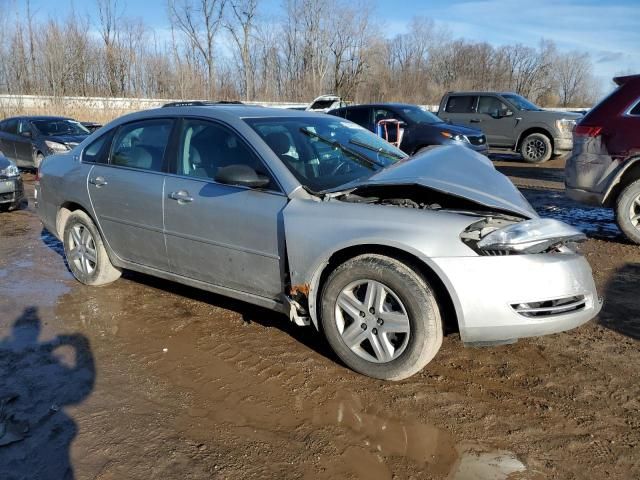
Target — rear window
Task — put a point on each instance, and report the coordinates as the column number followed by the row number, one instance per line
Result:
column 635, row 110
column 359, row 116
column 460, row 104
column 322, row 104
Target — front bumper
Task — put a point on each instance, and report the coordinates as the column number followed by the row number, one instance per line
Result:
column 562, row 145
column 11, row 191
column 485, row 289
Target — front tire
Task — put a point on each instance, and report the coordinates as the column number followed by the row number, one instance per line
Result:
column 381, row 317
column 536, row 148
column 628, row 211
column 85, row 252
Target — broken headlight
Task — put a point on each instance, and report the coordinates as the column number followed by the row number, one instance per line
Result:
column 502, row 237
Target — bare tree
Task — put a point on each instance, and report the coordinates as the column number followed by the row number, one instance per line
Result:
column 572, row 72
column 241, row 25
column 200, row 22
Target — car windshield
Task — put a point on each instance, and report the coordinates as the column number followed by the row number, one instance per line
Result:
column 60, row 127
column 324, row 153
column 418, row 115
column 521, row 102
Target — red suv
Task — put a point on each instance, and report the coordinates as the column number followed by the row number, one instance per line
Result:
column 604, row 167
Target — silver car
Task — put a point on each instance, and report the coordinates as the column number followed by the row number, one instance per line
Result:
column 318, row 218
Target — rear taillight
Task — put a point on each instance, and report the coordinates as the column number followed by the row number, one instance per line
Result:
column 37, row 174
column 586, row 131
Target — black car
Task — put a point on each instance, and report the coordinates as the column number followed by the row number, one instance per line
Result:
column 11, row 189
column 420, row 129
column 27, row 140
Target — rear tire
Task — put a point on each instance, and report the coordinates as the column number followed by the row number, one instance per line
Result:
column 628, row 211
column 391, row 326
column 85, row 253
column 536, row 148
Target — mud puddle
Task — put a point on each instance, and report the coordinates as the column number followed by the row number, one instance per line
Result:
column 379, row 438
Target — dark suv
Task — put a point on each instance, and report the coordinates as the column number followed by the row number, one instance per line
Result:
column 421, row 129
column 513, row 122
column 604, row 167
column 27, row 140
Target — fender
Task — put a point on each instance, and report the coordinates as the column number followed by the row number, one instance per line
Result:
column 615, row 181
column 312, row 285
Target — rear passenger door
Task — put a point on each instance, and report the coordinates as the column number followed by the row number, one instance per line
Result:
column 126, row 186
column 498, row 127
column 461, row 110
column 225, row 235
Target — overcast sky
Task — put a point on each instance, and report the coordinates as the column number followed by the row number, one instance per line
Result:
column 608, row 30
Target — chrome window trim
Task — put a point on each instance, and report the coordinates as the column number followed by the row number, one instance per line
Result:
column 634, row 105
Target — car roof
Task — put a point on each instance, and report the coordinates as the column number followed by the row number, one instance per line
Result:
column 379, row 105
column 37, row 117
column 481, row 93
column 235, row 110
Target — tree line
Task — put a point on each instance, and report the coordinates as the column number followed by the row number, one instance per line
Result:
column 232, row 49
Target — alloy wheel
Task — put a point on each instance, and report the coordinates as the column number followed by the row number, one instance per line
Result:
column 634, row 212
column 82, row 249
column 372, row 321
column 536, row 149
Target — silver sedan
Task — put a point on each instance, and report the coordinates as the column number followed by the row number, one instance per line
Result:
column 315, row 217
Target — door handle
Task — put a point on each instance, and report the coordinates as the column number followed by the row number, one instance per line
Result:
column 98, row 181
column 182, row 196
column 475, row 120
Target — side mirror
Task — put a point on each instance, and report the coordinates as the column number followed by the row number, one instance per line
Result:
column 241, row 175
column 26, row 134
column 507, row 113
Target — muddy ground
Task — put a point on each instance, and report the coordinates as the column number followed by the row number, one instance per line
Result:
column 148, row 379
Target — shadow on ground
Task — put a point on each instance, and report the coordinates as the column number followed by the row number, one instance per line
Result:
column 38, row 379
column 621, row 310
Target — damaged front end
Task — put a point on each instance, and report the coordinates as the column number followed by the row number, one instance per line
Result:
column 503, row 236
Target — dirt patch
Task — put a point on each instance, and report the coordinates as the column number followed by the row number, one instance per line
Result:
column 165, row 381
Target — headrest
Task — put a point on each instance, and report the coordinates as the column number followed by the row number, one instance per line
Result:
column 279, row 142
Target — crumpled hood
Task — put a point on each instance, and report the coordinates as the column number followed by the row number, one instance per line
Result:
column 454, row 170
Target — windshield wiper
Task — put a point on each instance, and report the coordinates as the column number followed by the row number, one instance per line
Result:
column 377, row 150
column 336, row 144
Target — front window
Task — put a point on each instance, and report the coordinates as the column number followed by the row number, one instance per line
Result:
column 59, row 127
column 521, row 103
column 324, row 153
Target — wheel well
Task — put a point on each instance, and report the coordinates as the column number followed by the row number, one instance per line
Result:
column 529, row 131
column 64, row 211
column 629, row 176
column 448, row 312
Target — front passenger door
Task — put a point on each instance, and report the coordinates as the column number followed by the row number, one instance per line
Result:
column 9, row 134
column 225, row 235
column 498, row 127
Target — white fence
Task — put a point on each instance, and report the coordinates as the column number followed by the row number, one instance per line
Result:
column 41, row 102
